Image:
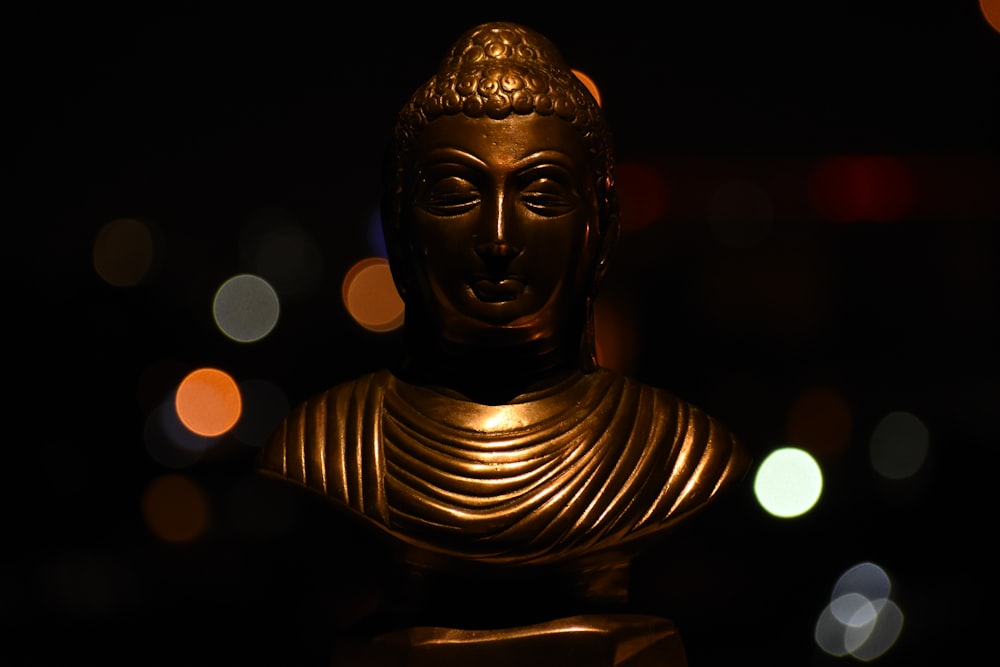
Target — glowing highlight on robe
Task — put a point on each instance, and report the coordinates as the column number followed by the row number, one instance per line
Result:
column 208, row 402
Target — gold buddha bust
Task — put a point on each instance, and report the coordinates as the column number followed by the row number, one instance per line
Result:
column 499, row 452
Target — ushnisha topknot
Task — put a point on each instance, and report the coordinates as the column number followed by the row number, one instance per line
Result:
column 495, row 70
column 502, row 68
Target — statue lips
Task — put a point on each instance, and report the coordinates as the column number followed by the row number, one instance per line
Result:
column 497, row 291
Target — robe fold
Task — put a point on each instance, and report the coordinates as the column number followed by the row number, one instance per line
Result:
column 595, row 464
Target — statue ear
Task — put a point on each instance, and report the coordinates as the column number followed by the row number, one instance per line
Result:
column 609, row 227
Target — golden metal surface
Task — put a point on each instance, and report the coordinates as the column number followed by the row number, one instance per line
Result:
column 618, row 640
column 499, row 447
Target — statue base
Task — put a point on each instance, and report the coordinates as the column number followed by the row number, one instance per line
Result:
column 601, row 640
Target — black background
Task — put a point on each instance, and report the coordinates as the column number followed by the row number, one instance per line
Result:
column 196, row 117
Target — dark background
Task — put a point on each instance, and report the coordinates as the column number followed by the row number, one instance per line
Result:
column 195, row 118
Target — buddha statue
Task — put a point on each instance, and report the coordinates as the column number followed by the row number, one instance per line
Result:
column 511, row 477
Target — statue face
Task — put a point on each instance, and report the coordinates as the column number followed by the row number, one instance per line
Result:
column 503, row 218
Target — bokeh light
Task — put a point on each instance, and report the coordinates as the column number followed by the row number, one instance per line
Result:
column 869, row 641
column 123, row 252
column 991, row 12
column 866, row 579
column 590, row 85
column 264, row 405
column 740, row 214
column 788, row 482
column 208, row 401
column 175, row 508
column 169, row 442
column 274, row 246
column 899, row 445
column 616, row 335
column 642, row 194
column 246, row 308
column 370, row 295
column 857, row 188
column 860, row 620
column 820, row 421
column 376, row 236
column 780, row 288
column 158, row 381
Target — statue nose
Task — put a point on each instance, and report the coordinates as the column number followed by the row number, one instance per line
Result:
column 497, row 255
column 497, row 249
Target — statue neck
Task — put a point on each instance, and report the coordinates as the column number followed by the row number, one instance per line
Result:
column 489, row 375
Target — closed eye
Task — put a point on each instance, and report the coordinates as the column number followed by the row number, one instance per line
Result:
column 451, row 203
column 449, row 196
column 549, row 198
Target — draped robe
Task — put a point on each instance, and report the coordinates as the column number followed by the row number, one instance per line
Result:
column 596, row 464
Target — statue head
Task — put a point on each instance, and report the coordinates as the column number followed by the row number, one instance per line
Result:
column 499, row 207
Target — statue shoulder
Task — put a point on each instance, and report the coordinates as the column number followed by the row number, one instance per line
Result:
column 706, row 456
column 700, row 446
column 311, row 443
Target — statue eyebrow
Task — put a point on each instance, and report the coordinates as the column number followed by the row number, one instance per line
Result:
column 450, row 155
column 551, row 156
